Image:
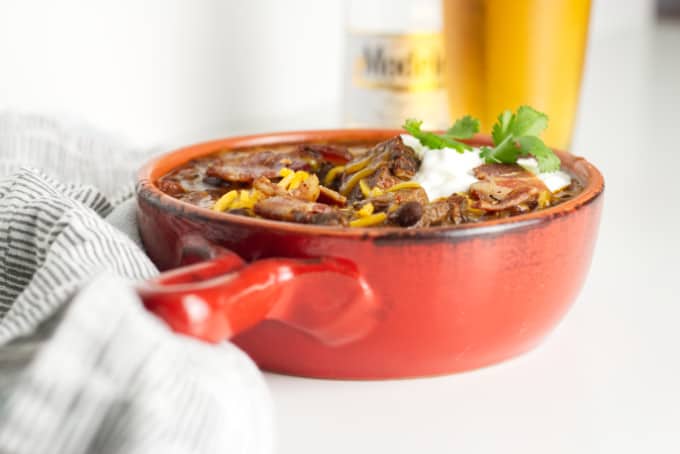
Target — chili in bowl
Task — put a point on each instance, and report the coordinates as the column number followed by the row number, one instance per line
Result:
column 333, row 254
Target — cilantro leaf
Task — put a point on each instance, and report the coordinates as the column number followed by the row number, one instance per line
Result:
column 516, row 135
column 428, row 139
column 547, row 160
column 501, row 128
column 505, row 152
column 528, row 122
column 436, row 141
column 464, row 128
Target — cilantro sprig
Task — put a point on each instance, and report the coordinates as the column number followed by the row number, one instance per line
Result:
column 463, row 128
column 514, row 135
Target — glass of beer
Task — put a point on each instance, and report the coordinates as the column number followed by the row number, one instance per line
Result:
column 501, row 54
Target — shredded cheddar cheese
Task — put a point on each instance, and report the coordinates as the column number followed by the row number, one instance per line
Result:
column 224, row 201
column 365, row 190
column 369, row 220
column 366, row 210
column 298, row 178
column 544, row 199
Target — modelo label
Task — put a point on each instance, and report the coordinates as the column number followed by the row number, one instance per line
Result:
column 393, row 77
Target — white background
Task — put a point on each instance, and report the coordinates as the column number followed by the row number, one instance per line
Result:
column 159, row 71
column 606, row 381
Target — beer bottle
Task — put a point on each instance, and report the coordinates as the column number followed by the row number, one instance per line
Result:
column 394, row 66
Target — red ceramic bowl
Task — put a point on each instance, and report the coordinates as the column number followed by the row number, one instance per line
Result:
column 382, row 302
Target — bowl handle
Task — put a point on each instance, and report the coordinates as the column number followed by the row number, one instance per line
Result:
column 222, row 296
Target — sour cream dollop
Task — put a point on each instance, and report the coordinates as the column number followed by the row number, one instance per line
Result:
column 445, row 171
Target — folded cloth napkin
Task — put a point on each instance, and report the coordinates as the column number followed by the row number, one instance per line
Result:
column 83, row 367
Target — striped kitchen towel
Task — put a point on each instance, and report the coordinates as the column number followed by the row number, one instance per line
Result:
column 83, row 367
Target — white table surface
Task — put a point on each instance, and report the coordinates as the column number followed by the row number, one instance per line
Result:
column 608, row 379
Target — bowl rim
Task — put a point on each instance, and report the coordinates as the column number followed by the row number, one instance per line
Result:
column 149, row 173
